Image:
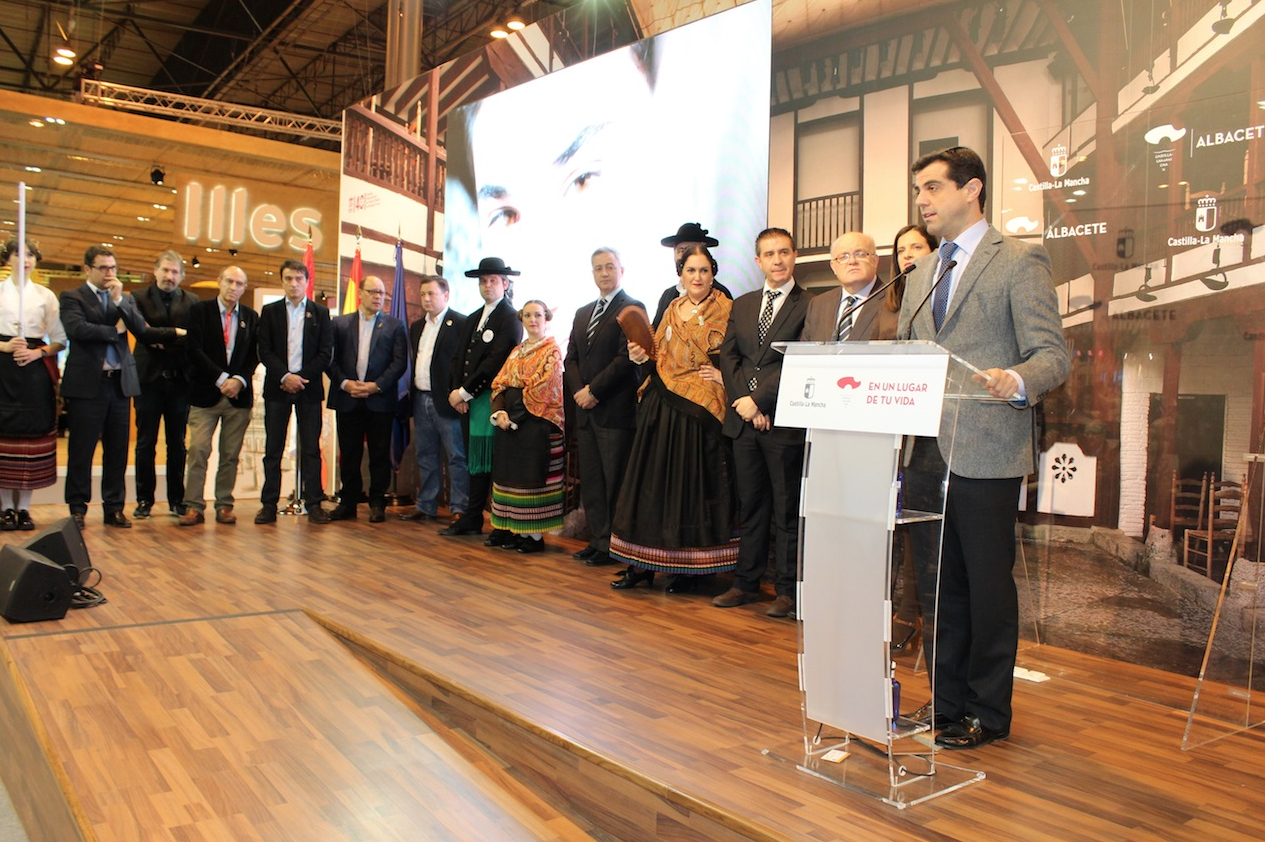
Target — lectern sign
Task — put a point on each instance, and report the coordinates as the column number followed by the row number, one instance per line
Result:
column 872, row 393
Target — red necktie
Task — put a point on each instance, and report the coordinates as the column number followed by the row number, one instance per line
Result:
column 228, row 320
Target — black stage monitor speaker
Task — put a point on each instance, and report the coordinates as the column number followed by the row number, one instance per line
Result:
column 62, row 543
column 32, row 588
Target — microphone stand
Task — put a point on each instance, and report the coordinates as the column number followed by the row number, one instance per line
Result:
column 944, row 273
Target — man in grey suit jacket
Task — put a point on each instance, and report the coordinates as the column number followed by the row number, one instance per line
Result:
column 989, row 300
column 768, row 460
column 854, row 260
column 99, row 379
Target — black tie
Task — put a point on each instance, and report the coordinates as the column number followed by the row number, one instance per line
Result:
column 766, row 315
column 845, row 324
column 596, row 317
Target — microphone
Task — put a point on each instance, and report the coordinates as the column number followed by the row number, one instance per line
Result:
column 884, row 288
column 944, row 273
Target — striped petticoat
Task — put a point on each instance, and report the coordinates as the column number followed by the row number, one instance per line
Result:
column 28, row 463
column 684, row 560
column 526, row 510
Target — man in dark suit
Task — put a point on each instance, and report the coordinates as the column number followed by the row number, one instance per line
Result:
column 603, row 383
column 370, row 357
column 832, row 315
column 768, row 461
column 99, row 379
column 436, row 425
column 491, row 332
column 296, row 341
column 223, row 356
column 164, row 386
column 989, row 300
column 687, row 235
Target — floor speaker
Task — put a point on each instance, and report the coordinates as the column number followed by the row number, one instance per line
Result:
column 32, row 588
column 62, row 543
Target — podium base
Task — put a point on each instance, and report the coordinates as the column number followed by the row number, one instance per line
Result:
column 901, row 781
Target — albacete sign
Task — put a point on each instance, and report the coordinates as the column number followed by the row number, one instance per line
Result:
column 228, row 219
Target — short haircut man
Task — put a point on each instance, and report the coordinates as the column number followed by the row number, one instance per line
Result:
column 223, row 356
column 768, row 461
column 844, row 314
column 602, row 382
column 296, row 342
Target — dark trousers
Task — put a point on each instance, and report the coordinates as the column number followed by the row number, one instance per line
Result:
column 355, row 428
column 165, row 400
column 480, row 490
column 276, row 426
column 603, row 453
column 768, row 468
column 103, row 419
column 976, row 615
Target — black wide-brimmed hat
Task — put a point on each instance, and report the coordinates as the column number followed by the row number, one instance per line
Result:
column 491, row 266
column 690, row 232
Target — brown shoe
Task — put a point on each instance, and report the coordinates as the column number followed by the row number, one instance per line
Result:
column 734, row 597
column 225, row 515
column 191, row 517
column 783, row 606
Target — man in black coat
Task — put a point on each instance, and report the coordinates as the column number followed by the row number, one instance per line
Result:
column 603, row 383
column 99, row 378
column 690, row 233
column 768, row 460
column 491, row 332
column 370, row 357
column 433, row 341
column 164, row 386
column 223, row 356
column 296, row 342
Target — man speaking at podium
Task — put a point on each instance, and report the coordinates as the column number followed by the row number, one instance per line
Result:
column 990, row 300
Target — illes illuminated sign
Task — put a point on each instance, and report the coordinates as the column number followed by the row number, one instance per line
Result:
column 228, row 218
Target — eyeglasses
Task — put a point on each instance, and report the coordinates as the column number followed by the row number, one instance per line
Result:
column 105, row 270
column 374, row 292
column 860, row 256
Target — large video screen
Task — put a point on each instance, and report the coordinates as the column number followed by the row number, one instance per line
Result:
column 618, row 152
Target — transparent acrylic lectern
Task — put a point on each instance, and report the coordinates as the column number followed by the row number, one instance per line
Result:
column 861, row 404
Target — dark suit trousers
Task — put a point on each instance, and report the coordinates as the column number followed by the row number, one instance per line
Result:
column 165, row 400
column 355, row 427
column 603, row 453
column 977, row 622
column 768, row 471
column 276, row 427
column 106, row 419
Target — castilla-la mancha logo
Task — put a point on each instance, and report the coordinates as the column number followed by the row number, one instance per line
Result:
column 1058, row 161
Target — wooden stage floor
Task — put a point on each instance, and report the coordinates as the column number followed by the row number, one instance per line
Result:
column 206, row 701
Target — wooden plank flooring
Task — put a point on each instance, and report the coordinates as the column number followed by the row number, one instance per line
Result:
column 685, row 694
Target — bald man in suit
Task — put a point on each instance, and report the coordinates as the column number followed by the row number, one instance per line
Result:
column 854, row 261
column 989, row 300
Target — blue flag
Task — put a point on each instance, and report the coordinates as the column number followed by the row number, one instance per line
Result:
column 399, row 309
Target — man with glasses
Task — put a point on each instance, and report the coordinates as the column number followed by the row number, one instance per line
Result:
column 99, row 381
column 834, row 316
column 370, row 357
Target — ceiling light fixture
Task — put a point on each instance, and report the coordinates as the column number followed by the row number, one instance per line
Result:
column 196, row 263
column 1143, row 294
column 500, row 32
column 64, row 61
column 157, row 175
column 1223, row 25
column 515, row 24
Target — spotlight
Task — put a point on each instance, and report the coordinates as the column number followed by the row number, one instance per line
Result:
column 1143, row 294
column 515, row 24
column 232, row 252
column 500, row 32
column 1151, row 88
column 157, row 175
column 196, row 263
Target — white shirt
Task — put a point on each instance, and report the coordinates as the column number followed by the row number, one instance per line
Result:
column 41, row 313
column 294, row 335
column 785, row 289
column 426, row 350
column 232, row 339
column 860, row 296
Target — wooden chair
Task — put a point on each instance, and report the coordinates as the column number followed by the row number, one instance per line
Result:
column 1185, row 504
column 1206, row 547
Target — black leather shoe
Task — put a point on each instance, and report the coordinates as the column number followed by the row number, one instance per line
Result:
column 77, row 517
column 500, row 538
column 457, row 528
column 118, row 520
column 599, row 559
column 315, row 514
column 267, row 514
column 633, row 577
column 8, row 520
column 142, row 510
column 585, row 554
column 923, row 717
column 528, row 545
column 178, row 510
column 683, row 584
column 968, row 732
column 417, row 516
column 377, row 514
column 342, row 512
column 24, row 521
